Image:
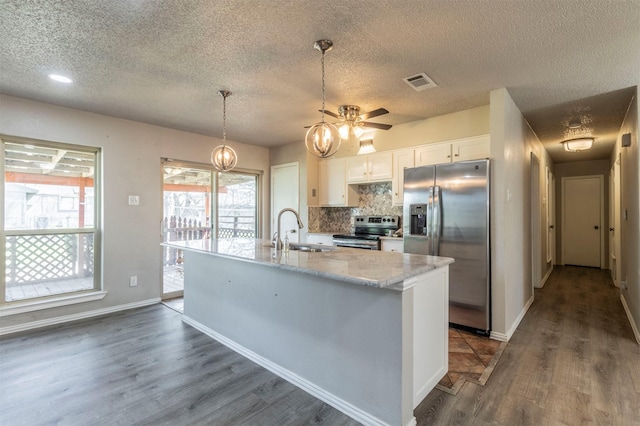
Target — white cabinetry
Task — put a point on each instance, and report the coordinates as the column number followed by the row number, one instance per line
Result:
column 370, row 168
column 323, row 239
column 473, row 148
column 392, row 244
column 332, row 185
column 402, row 159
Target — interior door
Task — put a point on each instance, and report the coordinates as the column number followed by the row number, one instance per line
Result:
column 614, row 223
column 285, row 192
column 582, row 220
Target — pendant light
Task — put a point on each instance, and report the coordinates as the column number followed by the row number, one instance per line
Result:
column 223, row 157
column 323, row 139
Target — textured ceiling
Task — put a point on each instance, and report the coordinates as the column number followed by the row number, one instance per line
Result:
column 163, row 62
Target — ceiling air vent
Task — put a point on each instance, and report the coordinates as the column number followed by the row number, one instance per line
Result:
column 420, row 82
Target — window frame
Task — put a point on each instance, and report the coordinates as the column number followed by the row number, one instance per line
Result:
column 44, row 302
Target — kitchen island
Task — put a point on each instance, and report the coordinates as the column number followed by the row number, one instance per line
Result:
column 364, row 331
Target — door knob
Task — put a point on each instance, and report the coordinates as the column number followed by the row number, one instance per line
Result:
column 596, row 227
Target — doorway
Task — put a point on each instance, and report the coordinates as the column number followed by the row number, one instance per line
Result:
column 536, row 248
column 285, row 193
column 582, row 215
column 186, row 215
column 199, row 203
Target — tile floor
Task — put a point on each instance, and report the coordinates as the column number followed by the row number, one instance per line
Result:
column 471, row 358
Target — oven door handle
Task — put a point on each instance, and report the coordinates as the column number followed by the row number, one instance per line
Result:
column 355, row 245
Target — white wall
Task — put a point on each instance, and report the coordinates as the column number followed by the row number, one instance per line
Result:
column 512, row 141
column 131, row 159
column 630, row 200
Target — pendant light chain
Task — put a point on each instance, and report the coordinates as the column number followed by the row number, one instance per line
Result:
column 223, row 157
column 224, row 119
column 323, row 52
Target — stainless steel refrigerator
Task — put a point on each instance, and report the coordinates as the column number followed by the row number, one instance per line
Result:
column 446, row 213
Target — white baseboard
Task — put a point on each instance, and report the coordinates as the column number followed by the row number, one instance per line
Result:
column 546, row 277
column 336, row 402
column 634, row 327
column 506, row 337
column 499, row 336
column 74, row 317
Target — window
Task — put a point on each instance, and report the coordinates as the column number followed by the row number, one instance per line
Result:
column 49, row 227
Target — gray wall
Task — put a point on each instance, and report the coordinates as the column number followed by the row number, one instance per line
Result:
column 131, row 165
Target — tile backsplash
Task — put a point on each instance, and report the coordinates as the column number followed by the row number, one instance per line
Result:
column 373, row 199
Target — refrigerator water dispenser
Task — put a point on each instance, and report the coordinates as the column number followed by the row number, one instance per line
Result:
column 418, row 219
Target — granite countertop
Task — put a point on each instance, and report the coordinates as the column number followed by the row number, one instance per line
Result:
column 363, row 267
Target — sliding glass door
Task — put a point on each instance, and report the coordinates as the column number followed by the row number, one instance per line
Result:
column 198, row 202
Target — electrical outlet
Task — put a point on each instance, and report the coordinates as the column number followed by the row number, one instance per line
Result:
column 133, row 280
column 134, row 200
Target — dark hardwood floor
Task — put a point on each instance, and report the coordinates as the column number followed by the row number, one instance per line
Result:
column 143, row 367
column 573, row 360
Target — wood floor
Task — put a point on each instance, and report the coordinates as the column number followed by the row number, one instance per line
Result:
column 573, row 360
column 143, row 367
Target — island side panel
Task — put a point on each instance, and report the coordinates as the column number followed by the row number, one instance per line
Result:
column 346, row 339
column 430, row 331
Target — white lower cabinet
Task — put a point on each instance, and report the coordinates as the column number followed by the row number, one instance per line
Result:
column 395, row 245
column 323, row 239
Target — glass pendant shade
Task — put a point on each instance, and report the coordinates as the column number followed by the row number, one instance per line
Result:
column 346, row 128
column 577, row 145
column 323, row 139
column 224, row 158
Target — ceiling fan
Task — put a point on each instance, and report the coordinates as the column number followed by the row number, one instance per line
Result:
column 351, row 119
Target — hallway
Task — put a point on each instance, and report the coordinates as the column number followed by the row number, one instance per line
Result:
column 573, row 360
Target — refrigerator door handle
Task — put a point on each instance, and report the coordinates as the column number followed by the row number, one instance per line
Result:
column 436, row 219
column 429, row 233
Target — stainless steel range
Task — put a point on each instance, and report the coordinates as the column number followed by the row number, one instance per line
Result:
column 368, row 230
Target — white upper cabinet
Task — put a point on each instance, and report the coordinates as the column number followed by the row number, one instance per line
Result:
column 402, row 159
column 370, row 168
column 332, row 185
column 473, row 148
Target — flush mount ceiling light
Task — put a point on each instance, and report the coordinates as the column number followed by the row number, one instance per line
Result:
column 577, row 145
column 323, row 139
column 223, row 157
column 60, row 78
column 366, row 147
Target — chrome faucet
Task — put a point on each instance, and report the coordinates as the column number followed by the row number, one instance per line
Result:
column 278, row 244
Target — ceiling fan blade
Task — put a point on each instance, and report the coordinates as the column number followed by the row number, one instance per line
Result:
column 374, row 113
column 332, row 114
column 377, row 125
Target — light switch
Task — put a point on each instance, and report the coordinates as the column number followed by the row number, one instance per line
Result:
column 134, row 200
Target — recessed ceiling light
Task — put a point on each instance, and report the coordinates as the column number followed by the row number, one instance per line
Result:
column 60, row 78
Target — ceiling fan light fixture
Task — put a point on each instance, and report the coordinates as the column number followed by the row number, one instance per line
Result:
column 323, row 139
column 366, row 147
column 223, row 157
column 577, row 145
